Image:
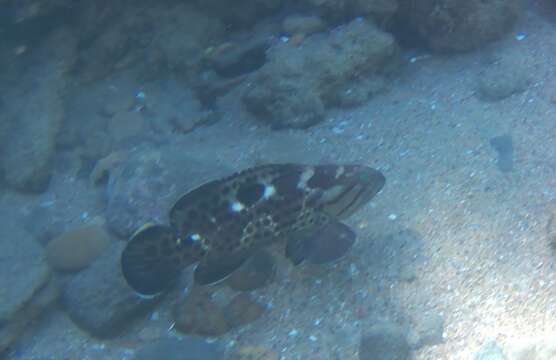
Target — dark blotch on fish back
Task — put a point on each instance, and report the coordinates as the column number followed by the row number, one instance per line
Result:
column 249, row 193
column 324, row 177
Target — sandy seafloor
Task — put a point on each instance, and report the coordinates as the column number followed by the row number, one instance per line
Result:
column 487, row 268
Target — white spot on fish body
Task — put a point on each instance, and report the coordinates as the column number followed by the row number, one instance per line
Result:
column 339, row 171
column 236, row 206
column 306, row 175
column 269, row 190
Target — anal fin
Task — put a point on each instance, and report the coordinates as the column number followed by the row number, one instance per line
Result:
column 150, row 262
column 217, row 267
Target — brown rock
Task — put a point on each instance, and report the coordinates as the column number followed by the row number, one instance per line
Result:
column 199, row 315
column 257, row 272
column 243, row 310
column 76, row 249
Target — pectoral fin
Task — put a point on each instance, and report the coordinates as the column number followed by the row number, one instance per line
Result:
column 150, row 264
column 331, row 243
column 299, row 246
column 326, row 244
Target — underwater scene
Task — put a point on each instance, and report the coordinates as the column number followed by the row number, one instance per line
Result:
column 278, row 179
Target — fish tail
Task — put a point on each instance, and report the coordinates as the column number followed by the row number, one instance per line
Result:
column 151, row 261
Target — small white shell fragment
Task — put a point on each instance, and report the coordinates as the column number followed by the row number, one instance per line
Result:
column 293, row 333
column 392, row 217
column 520, row 36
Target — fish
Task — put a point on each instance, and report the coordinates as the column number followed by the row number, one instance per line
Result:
column 222, row 223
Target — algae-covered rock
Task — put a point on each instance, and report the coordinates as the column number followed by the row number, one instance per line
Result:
column 295, row 86
column 77, row 249
column 301, row 24
column 459, row 25
column 243, row 14
column 339, row 10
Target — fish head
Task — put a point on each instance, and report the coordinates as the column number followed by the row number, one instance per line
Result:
column 341, row 190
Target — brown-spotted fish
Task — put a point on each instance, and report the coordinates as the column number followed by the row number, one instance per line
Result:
column 221, row 223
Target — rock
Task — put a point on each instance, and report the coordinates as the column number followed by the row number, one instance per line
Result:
column 295, row 86
column 428, row 331
column 384, row 342
column 100, row 59
column 197, row 314
column 255, row 273
column 23, row 12
column 255, row 353
column 99, row 300
column 236, row 59
column 24, row 275
column 185, row 348
column 301, row 24
column 503, row 145
column 459, row 25
column 179, row 113
column 339, row 10
column 78, row 248
column 181, row 33
column 489, row 351
column 28, row 314
column 143, row 188
column 34, row 110
column 542, row 348
column 128, row 128
column 243, row 14
column 503, row 79
column 242, row 310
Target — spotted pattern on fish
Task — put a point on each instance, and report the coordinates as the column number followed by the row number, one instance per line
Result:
column 220, row 223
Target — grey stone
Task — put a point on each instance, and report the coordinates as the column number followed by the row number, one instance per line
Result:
column 295, row 86
column 99, row 300
column 28, row 314
column 23, row 268
column 186, row 348
column 24, row 273
column 144, row 187
column 384, row 342
column 34, row 111
column 489, row 351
